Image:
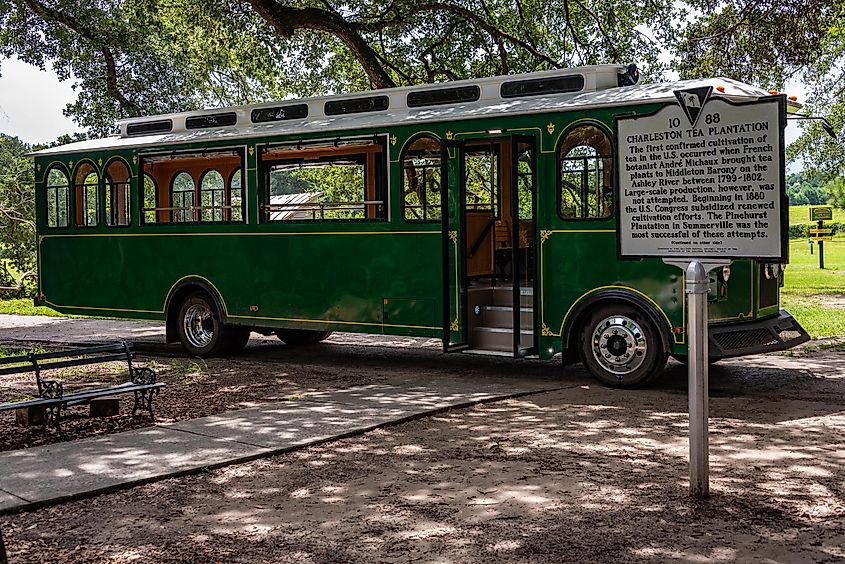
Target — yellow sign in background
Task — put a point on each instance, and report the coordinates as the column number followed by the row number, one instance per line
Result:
column 821, row 234
column 821, row 213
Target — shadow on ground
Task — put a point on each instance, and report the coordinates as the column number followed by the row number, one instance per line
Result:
column 581, row 474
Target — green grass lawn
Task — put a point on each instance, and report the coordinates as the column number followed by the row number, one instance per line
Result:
column 805, row 288
column 801, row 214
column 23, row 306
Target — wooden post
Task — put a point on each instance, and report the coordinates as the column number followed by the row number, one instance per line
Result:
column 821, row 245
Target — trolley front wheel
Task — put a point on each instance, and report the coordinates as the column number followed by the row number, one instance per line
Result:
column 621, row 347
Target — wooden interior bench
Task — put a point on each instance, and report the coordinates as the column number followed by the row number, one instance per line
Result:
column 141, row 382
column 503, row 251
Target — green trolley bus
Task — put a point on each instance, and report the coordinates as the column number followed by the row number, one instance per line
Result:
column 478, row 211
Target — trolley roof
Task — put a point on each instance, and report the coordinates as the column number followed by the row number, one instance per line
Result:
column 578, row 88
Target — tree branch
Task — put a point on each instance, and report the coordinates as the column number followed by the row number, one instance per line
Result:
column 287, row 20
column 52, row 15
column 613, row 51
column 465, row 14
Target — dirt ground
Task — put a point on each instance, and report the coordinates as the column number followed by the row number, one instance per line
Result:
column 269, row 372
column 580, row 474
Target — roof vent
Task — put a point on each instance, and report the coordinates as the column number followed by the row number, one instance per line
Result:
column 211, row 120
column 356, row 105
column 149, row 127
column 541, row 86
column 279, row 113
column 440, row 96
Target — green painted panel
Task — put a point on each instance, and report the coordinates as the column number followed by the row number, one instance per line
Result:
column 306, row 279
column 454, row 214
column 336, row 275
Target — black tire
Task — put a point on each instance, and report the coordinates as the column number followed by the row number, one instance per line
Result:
column 614, row 331
column 200, row 328
column 297, row 337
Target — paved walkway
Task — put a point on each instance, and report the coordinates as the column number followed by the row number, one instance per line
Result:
column 146, row 335
column 63, row 330
column 50, row 474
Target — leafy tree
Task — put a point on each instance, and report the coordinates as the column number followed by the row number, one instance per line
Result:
column 836, row 191
column 17, row 209
column 136, row 57
column 768, row 42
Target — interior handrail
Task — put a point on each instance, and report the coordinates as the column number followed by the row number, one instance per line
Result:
column 475, row 246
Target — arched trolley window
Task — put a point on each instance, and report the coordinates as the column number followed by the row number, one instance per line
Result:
column 182, row 198
column 421, row 189
column 150, row 200
column 86, row 186
column 57, row 188
column 585, row 174
column 117, row 194
column 212, row 196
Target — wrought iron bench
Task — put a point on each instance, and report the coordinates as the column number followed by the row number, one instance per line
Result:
column 51, row 395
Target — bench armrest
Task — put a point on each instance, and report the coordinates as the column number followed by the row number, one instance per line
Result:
column 50, row 389
column 143, row 376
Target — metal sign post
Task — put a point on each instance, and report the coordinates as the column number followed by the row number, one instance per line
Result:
column 698, row 365
column 699, row 184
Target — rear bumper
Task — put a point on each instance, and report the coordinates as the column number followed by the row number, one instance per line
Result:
column 767, row 335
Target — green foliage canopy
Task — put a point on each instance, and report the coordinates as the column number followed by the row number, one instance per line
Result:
column 804, row 189
column 134, row 57
column 17, row 209
column 768, row 42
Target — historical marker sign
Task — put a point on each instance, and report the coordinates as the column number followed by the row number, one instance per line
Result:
column 702, row 179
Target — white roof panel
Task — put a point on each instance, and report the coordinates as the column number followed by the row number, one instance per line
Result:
column 619, row 96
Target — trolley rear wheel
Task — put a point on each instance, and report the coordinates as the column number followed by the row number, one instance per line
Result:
column 200, row 327
column 202, row 332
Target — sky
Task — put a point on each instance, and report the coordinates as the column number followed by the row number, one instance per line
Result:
column 32, row 100
column 31, row 103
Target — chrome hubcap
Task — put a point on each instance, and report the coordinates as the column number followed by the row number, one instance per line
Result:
column 199, row 325
column 619, row 345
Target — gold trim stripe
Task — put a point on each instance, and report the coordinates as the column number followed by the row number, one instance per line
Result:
column 235, row 234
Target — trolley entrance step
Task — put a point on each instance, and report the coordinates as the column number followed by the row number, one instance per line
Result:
column 502, row 316
column 499, row 338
